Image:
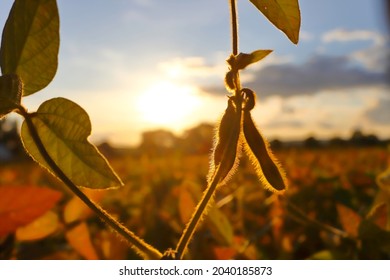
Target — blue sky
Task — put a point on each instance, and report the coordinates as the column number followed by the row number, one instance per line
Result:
column 130, row 63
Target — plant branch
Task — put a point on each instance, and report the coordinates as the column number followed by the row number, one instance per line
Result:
column 140, row 246
column 234, row 36
column 200, row 210
column 233, row 14
column 298, row 215
column 197, row 217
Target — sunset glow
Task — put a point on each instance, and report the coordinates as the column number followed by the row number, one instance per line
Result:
column 168, row 104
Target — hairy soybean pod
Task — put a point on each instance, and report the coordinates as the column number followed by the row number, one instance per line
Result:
column 267, row 168
column 228, row 133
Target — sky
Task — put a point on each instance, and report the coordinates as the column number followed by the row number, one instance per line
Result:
column 139, row 65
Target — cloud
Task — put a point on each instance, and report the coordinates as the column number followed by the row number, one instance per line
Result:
column 191, row 68
column 380, row 113
column 342, row 35
column 326, row 114
column 305, row 36
column 375, row 57
column 320, row 72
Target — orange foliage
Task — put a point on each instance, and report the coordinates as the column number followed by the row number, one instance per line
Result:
column 21, row 205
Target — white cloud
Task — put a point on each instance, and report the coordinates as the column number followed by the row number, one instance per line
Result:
column 342, row 35
column 305, row 36
column 374, row 57
column 191, row 67
column 326, row 114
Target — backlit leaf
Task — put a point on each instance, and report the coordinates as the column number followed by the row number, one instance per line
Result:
column 21, row 205
column 220, row 226
column 284, row 14
column 383, row 180
column 245, row 59
column 64, row 127
column 186, row 205
column 39, row 228
column 75, row 209
column 349, row 219
column 30, row 43
column 380, row 216
column 381, row 202
column 79, row 238
column 224, row 253
column 322, row 255
column 11, row 89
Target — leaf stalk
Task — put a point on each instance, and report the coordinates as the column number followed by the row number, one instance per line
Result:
column 141, row 247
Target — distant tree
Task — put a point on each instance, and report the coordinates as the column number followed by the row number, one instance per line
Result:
column 108, row 150
column 338, row 142
column 276, row 144
column 311, row 142
column 198, row 140
column 10, row 145
column 158, row 142
column 360, row 139
column 357, row 138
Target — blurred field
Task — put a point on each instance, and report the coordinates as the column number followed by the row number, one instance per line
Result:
column 322, row 215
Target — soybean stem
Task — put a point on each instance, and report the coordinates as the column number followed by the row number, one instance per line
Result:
column 196, row 218
column 233, row 14
column 200, row 211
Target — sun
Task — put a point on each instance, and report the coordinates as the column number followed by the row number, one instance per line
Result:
column 167, row 104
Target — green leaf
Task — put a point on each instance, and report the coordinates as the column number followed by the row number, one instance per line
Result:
column 284, row 14
column 245, row 59
column 382, row 199
column 220, row 226
column 11, row 89
column 30, row 43
column 383, row 180
column 322, row 255
column 349, row 219
column 63, row 127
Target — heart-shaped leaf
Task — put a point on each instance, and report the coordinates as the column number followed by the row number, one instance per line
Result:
column 63, row 127
column 11, row 89
column 284, row 14
column 21, row 205
column 30, row 43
